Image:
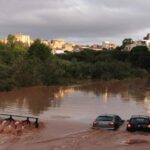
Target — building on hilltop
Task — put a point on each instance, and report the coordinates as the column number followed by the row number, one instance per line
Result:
column 58, row 51
column 147, row 37
column 108, row 45
column 57, row 44
column 68, row 47
column 77, row 48
column 96, row 47
column 25, row 39
column 144, row 42
column 46, row 42
column 128, row 47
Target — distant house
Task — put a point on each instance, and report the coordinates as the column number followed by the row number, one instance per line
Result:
column 57, row 44
column 96, row 47
column 68, row 47
column 144, row 42
column 108, row 45
column 128, row 47
column 25, row 39
column 46, row 42
column 58, row 51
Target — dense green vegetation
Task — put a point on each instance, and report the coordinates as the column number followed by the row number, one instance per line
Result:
column 35, row 65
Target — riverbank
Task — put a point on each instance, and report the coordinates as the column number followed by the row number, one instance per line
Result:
column 36, row 66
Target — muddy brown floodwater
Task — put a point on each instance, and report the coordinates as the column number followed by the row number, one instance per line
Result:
column 67, row 113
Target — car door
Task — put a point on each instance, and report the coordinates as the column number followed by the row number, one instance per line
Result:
column 118, row 121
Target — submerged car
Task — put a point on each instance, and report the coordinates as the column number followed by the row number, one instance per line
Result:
column 139, row 123
column 111, row 122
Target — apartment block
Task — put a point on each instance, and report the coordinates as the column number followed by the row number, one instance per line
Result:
column 108, row 45
column 25, row 39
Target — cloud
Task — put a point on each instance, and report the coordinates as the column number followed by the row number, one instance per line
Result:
column 84, row 21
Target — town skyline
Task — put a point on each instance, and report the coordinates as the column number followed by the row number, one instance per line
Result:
column 59, row 46
column 73, row 42
column 96, row 41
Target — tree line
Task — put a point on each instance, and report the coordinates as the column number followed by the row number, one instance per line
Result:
column 22, row 66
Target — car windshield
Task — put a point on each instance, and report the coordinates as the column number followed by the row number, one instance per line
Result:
column 104, row 118
column 140, row 120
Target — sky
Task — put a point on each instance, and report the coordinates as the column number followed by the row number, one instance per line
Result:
column 78, row 21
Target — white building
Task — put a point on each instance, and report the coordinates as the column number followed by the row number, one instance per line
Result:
column 144, row 42
column 58, row 51
column 25, row 39
column 108, row 45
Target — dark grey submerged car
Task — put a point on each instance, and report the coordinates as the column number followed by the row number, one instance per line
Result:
column 139, row 123
column 107, row 121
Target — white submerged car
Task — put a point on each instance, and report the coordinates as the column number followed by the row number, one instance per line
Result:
column 112, row 122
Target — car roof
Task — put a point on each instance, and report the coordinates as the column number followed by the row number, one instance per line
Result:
column 140, row 116
column 111, row 115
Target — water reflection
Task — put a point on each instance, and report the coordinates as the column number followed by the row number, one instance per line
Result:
column 131, row 90
column 35, row 99
column 147, row 104
column 90, row 97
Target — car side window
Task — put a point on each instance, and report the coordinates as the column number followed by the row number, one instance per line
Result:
column 118, row 119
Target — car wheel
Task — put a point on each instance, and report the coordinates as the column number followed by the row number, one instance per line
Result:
column 130, row 130
column 116, row 127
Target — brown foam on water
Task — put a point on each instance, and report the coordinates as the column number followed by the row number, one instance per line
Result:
column 17, row 127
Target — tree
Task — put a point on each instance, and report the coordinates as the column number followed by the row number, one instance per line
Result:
column 139, row 57
column 11, row 41
column 5, row 77
column 139, row 49
column 39, row 50
column 20, row 47
column 3, row 46
column 126, row 42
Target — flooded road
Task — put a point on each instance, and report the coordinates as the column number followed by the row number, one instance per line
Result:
column 69, row 111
